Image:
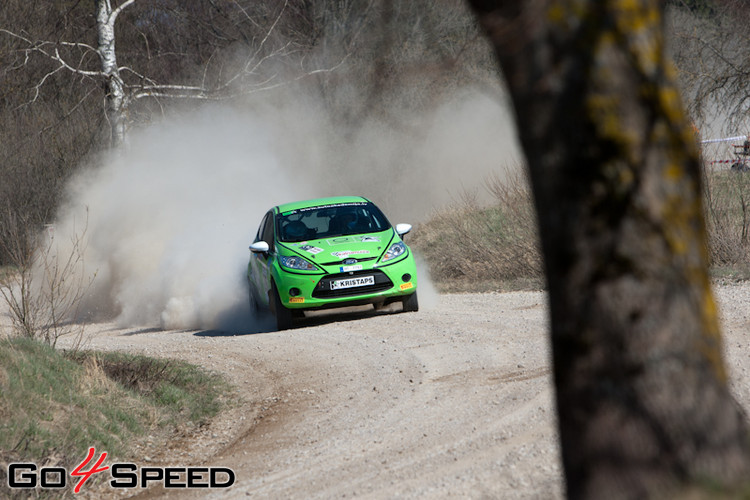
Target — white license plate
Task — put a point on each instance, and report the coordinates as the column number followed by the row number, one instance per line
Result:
column 353, row 282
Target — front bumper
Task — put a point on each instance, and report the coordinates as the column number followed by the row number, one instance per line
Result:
column 308, row 291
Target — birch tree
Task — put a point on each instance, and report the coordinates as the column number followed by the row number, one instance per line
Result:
column 124, row 85
column 116, row 102
column 642, row 398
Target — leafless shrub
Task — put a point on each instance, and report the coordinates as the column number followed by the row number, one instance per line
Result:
column 513, row 194
column 499, row 243
column 709, row 46
column 470, row 242
column 727, row 207
column 43, row 291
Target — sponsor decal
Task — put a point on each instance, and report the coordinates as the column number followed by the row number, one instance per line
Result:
column 296, row 300
column 311, row 249
column 406, row 286
column 347, row 253
column 370, row 239
column 29, row 476
column 319, row 207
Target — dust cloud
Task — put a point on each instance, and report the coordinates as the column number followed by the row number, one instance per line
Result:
column 168, row 219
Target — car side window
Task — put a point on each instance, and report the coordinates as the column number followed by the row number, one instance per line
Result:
column 268, row 230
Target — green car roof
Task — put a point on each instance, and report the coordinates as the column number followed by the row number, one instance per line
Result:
column 286, row 207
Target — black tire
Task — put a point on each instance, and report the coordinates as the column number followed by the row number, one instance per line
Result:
column 282, row 314
column 411, row 303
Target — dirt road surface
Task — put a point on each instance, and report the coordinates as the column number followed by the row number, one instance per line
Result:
column 454, row 401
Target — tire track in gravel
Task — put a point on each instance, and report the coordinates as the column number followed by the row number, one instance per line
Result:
column 450, row 401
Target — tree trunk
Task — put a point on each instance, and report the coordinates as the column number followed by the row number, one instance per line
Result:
column 115, row 99
column 641, row 387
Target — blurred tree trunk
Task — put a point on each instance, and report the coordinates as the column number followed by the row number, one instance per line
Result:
column 641, row 387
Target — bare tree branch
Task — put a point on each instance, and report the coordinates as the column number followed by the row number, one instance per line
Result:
column 124, row 84
column 116, row 12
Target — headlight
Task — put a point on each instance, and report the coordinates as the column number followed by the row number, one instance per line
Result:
column 294, row 262
column 395, row 250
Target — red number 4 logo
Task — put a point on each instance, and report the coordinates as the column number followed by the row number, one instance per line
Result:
column 85, row 475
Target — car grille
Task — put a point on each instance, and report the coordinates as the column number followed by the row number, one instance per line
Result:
column 339, row 262
column 323, row 288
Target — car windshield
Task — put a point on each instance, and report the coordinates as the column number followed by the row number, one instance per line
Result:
column 329, row 221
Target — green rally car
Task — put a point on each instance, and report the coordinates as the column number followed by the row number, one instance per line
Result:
column 329, row 252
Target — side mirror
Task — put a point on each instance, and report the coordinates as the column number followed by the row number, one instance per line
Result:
column 402, row 229
column 259, row 247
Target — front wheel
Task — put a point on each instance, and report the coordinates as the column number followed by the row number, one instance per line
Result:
column 282, row 314
column 411, row 303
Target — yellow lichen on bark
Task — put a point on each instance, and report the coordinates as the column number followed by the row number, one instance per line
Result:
column 636, row 33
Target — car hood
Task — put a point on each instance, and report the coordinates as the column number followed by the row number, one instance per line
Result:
column 330, row 251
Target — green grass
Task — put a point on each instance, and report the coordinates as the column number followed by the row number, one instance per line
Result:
column 184, row 391
column 730, row 274
column 54, row 406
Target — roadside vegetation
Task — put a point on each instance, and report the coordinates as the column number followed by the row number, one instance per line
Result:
column 476, row 247
column 727, row 208
column 54, row 405
column 470, row 246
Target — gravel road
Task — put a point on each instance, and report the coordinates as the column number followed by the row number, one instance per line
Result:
column 452, row 401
